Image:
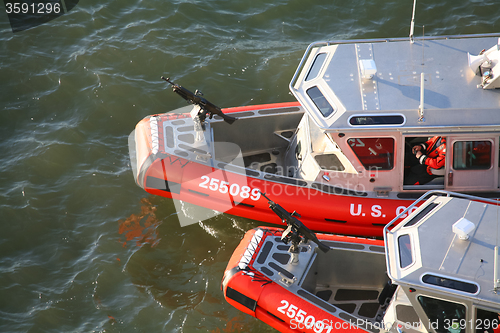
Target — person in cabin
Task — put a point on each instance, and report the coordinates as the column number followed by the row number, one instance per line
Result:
column 429, row 158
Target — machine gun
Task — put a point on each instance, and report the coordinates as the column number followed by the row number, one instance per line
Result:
column 296, row 231
column 206, row 107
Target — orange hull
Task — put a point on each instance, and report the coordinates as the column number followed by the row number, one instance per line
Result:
column 322, row 208
column 254, row 293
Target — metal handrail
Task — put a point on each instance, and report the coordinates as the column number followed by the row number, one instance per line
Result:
column 303, row 60
column 424, row 197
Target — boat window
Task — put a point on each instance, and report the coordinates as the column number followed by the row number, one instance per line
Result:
column 471, row 155
column 444, row 316
column 405, row 254
column 320, row 101
column 374, row 153
column 329, row 162
column 420, row 215
column 450, row 283
column 376, row 120
column 486, row 321
column 316, row 66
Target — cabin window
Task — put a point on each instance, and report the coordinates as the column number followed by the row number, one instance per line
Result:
column 486, row 321
column 472, row 155
column 389, row 120
column 374, row 153
column 444, row 316
column 316, row 66
column 420, row 215
column 320, row 101
column 450, row 283
column 405, row 254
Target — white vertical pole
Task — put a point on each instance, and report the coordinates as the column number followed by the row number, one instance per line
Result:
column 412, row 25
column 421, row 106
column 495, row 270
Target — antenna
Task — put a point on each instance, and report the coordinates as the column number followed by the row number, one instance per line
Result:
column 412, row 26
column 421, row 106
column 496, row 281
column 423, row 47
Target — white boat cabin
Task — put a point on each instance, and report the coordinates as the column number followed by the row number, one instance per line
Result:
column 369, row 102
column 444, row 258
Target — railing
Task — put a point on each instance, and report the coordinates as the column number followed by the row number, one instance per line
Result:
column 303, row 60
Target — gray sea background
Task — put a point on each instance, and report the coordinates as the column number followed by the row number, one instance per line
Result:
column 84, row 249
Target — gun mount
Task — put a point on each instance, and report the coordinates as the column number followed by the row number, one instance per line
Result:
column 296, row 232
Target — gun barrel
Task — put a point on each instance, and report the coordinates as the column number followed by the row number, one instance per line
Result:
column 207, row 106
column 264, row 195
column 323, row 247
column 290, row 220
column 168, row 80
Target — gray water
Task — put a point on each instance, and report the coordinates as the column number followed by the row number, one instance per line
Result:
column 82, row 248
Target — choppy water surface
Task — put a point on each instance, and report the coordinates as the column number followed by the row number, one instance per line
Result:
column 84, row 249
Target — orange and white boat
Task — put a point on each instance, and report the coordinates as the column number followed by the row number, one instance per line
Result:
column 342, row 154
column 437, row 272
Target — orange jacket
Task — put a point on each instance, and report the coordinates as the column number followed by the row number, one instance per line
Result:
column 435, row 153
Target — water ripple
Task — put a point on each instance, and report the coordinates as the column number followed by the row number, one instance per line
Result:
column 85, row 249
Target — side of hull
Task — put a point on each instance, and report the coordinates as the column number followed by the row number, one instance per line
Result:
column 319, row 211
column 237, row 192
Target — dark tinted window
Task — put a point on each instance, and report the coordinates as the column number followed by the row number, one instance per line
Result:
column 486, row 321
column 421, row 214
column 374, row 153
column 405, row 254
column 320, row 101
column 376, row 120
column 450, row 283
column 471, row 155
column 316, row 66
column 446, row 317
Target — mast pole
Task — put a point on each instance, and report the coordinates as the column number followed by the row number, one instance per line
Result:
column 412, row 26
column 421, row 106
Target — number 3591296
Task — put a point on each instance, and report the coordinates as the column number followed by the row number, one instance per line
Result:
column 234, row 189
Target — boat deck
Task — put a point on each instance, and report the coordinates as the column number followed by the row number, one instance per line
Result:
column 361, row 303
column 270, row 161
column 262, row 137
column 330, row 279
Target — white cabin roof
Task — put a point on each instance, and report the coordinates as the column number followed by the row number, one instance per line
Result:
column 342, row 70
column 438, row 253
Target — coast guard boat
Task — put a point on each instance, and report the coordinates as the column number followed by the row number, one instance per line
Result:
column 340, row 154
column 438, row 272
